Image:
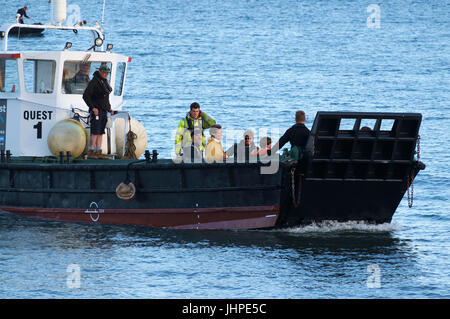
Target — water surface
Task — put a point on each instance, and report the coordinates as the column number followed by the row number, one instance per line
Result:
column 252, row 64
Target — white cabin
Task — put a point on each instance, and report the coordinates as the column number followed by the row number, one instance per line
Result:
column 36, row 91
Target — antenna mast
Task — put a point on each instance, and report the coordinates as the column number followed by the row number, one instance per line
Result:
column 103, row 15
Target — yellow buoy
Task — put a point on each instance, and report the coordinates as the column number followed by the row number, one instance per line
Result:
column 141, row 136
column 67, row 136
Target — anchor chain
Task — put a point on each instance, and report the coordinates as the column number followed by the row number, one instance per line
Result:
column 410, row 179
column 296, row 202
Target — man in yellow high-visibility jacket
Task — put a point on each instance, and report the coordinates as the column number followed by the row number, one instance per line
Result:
column 194, row 120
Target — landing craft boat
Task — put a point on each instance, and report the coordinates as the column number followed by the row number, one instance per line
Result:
column 348, row 173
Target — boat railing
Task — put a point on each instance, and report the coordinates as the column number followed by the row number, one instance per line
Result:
column 98, row 34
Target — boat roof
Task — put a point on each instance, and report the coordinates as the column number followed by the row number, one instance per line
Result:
column 88, row 56
column 95, row 30
column 96, row 53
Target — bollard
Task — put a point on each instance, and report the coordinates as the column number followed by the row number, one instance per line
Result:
column 155, row 156
column 147, row 156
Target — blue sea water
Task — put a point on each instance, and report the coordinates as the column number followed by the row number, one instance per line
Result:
column 252, row 64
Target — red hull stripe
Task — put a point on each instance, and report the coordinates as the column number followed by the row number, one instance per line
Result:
column 9, row 55
column 194, row 218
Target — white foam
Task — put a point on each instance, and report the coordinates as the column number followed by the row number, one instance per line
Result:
column 335, row 226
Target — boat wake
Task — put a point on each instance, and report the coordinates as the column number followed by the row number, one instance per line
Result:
column 336, row 226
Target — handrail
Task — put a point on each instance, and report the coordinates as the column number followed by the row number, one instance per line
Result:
column 43, row 26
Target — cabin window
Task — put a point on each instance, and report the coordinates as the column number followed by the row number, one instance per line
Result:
column 120, row 76
column 9, row 76
column 39, row 76
column 77, row 74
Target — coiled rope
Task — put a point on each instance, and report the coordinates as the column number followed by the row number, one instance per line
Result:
column 130, row 148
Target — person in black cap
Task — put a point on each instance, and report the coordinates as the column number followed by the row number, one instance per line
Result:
column 22, row 12
column 96, row 97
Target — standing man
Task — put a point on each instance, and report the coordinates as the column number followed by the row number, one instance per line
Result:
column 195, row 120
column 96, row 97
column 297, row 135
column 22, row 12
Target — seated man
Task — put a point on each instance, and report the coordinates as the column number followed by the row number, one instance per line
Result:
column 214, row 151
column 78, row 83
column 194, row 152
column 244, row 148
column 297, row 135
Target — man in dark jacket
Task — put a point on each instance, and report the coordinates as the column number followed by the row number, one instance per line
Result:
column 23, row 13
column 297, row 135
column 96, row 97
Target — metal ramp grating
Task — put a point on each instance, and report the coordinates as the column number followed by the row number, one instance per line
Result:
column 360, row 145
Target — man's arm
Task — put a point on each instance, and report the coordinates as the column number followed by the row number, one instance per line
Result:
column 287, row 136
column 207, row 121
column 230, row 151
column 283, row 140
column 179, row 137
column 23, row 13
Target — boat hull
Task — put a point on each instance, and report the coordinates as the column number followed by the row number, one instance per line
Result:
column 16, row 31
column 347, row 175
column 186, row 196
column 352, row 172
column 368, row 200
column 182, row 196
column 214, row 218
